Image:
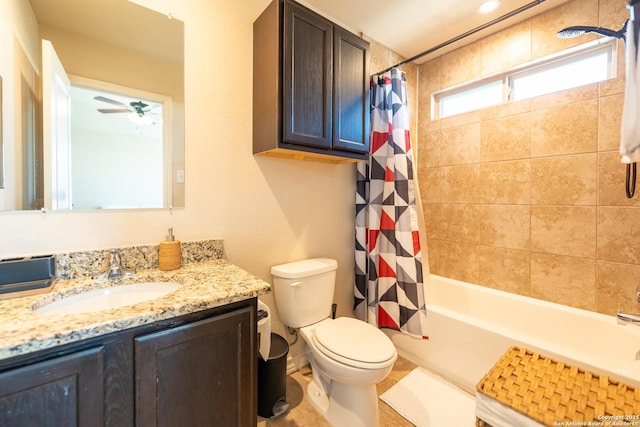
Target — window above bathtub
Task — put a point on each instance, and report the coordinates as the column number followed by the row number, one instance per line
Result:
column 585, row 64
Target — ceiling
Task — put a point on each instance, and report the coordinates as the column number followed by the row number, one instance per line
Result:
column 410, row 27
column 102, row 20
column 406, row 26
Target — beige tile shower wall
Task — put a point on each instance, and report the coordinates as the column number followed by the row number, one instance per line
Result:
column 529, row 197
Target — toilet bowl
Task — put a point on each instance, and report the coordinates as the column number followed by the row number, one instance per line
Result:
column 350, row 351
column 345, row 376
column 348, row 357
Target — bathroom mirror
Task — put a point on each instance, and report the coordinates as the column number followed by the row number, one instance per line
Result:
column 129, row 59
column 1, row 159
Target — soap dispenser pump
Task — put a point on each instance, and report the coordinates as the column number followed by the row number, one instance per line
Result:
column 169, row 254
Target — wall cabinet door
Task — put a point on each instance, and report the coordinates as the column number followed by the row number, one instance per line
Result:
column 351, row 92
column 308, row 77
column 200, row 374
column 65, row 391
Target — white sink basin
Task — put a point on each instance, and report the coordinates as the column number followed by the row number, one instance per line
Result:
column 107, row 298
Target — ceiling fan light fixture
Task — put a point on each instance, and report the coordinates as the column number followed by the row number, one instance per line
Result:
column 488, row 6
column 140, row 119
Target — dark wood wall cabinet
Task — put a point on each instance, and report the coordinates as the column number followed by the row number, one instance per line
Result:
column 310, row 86
column 195, row 370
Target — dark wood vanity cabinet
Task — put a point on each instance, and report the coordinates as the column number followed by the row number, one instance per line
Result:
column 195, row 370
column 63, row 391
column 196, row 375
column 311, row 86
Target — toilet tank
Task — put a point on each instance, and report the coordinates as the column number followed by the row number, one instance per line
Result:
column 303, row 290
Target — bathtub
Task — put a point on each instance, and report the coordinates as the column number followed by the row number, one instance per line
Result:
column 470, row 327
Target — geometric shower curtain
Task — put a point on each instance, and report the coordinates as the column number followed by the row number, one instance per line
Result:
column 388, row 286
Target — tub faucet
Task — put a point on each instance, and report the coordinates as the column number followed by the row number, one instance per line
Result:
column 626, row 318
column 115, row 270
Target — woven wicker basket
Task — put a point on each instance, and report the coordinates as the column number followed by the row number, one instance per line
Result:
column 554, row 393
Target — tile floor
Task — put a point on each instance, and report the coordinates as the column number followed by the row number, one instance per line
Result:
column 302, row 414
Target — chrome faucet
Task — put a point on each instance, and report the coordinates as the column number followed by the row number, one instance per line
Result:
column 115, row 270
column 626, row 318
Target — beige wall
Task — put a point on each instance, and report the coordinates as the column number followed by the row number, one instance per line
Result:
column 529, row 197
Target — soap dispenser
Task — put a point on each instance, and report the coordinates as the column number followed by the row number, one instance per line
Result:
column 169, row 254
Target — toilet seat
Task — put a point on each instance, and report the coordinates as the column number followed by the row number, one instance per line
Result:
column 354, row 343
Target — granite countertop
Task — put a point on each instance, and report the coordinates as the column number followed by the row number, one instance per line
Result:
column 204, row 285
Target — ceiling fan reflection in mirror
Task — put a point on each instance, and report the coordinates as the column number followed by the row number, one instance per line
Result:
column 139, row 112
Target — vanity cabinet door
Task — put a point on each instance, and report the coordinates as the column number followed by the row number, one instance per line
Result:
column 200, row 374
column 65, row 391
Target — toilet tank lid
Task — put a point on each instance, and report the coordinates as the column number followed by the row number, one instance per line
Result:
column 304, row 268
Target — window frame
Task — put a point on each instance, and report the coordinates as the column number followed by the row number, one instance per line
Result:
column 507, row 78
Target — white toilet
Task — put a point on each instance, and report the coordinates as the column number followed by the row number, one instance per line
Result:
column 348, row 356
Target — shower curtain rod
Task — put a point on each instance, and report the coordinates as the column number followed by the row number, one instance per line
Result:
column 467, row 34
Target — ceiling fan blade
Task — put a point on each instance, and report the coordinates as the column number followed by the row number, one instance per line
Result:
column 111, row 101
column 114, row 110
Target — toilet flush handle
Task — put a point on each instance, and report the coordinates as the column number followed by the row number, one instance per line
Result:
column 295, row 284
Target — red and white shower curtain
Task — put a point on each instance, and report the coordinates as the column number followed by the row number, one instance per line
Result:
column 389, row 281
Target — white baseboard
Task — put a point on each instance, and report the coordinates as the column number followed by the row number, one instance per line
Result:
column 296, row 362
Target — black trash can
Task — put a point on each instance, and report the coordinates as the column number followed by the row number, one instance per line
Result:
column 272, row 379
